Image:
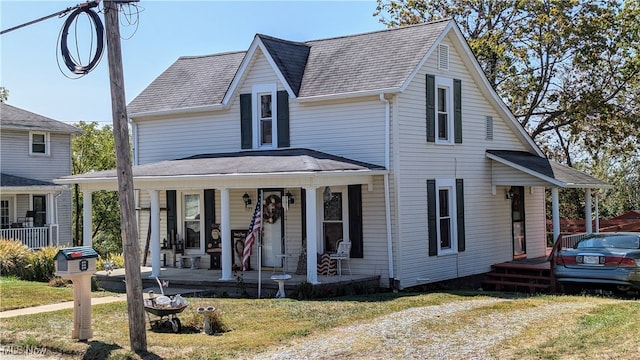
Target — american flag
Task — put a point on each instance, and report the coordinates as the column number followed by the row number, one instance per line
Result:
column 254, row 230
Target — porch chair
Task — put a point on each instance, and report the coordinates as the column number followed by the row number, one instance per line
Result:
column 343, row 253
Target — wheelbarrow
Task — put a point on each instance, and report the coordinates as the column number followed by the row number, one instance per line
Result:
column 165, row 309
column 165, row 316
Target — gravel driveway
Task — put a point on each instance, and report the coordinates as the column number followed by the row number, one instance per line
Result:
column 406, row 335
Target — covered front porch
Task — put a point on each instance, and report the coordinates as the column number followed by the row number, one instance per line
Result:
column 204, row 282
column 29, row 211
column 198, row 209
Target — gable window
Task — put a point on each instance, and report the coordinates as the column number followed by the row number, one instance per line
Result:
column 265, row 110
column 264, row 118
column 38, row 143
column 443, row 110
column 444, row 124
column 445, row 210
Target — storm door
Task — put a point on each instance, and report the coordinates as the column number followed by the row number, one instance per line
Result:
column 518, row 221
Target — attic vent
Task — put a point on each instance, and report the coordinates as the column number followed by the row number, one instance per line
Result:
column 443, row 57
column 489, row 128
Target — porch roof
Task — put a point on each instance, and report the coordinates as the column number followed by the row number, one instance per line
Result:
column 546, row 170
column 256, row 165
column 17, row 183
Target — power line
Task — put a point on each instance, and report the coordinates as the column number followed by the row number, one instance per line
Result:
column 89, row 5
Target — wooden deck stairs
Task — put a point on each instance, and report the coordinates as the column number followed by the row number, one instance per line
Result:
column 531, row 275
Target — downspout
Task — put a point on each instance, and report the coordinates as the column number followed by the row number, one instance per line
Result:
column 55, row 216
column 134, row 135
column 387, row 201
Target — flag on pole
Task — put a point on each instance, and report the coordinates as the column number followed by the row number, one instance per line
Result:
column 252, row 234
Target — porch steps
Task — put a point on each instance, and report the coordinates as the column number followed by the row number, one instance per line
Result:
column 531, row 276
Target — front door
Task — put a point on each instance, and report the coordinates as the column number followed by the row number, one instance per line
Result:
column 272, row 228
column 517, row 221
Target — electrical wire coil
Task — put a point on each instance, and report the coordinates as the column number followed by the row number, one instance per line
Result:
column 69, row 61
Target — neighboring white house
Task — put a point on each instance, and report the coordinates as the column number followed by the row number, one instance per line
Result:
column 34, row 150
column 393, row 140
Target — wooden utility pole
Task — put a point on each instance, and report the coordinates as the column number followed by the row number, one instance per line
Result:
column 133, row 277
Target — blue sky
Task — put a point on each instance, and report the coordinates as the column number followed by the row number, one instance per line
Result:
column 166, row 31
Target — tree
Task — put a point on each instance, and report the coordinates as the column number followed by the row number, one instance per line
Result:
column 4, row 94
column 569, row 70
column 94, row 150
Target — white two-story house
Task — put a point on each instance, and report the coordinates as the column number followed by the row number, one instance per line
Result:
column 34, row 150
column 391, row 140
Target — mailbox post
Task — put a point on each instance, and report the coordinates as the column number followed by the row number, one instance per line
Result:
column 78, row 264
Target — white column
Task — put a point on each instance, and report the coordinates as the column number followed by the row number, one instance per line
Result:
column 555, row 212
column 587, row 211
column 155, row 233
column 597, row 212
column 312, row 235
column 225, row 229
column 87, row 224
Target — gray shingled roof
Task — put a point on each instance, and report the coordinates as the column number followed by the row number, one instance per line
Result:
column 12, row 117
column 243, row 162
column 549, row 168
column 290, row 57
column 363, row 62
column 7, row 180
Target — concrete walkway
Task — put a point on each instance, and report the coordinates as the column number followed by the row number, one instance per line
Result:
column 59, row 306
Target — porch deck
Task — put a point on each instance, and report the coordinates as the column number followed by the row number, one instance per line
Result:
column 533, row 275
column 204, row 282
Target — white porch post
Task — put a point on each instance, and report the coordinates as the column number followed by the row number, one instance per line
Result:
column 555, row 212
column 312, row 235
column 597, row 212
column 225, row 228
column 587, row 211
column 87, row 224
column 155, row 233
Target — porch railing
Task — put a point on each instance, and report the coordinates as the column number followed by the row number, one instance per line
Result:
column 33, row 237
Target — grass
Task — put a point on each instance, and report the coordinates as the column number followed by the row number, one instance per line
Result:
column 18, row 294
column 602, row 328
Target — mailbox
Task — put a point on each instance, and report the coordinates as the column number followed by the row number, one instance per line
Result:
column 75, row 261
column 78, row 265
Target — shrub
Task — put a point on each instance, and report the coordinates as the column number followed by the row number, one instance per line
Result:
column 41, row 264
column 116, row 261
column 14, row 258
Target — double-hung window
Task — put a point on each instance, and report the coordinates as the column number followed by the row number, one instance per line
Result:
column 38, row 143
column 265, row 129
column 191, row 215
column 444, row 109
column 446, row 220
column 445, row 216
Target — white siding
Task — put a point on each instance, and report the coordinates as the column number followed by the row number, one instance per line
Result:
column 351, row 129
column 488, row 217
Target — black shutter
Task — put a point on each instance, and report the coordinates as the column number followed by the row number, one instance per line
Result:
column 246, row 124
column 431, row 108
column 209, row 214
column 303, row 204
column 460, row 213
column 431, row 217
column 457, row 111
column 355, row 221
column 172, row 213
column 283, row 119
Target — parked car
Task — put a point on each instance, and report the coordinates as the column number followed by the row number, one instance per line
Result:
column 601, row 260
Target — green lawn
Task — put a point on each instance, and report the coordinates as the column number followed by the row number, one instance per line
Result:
column 608, row 327
column 17, row 294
